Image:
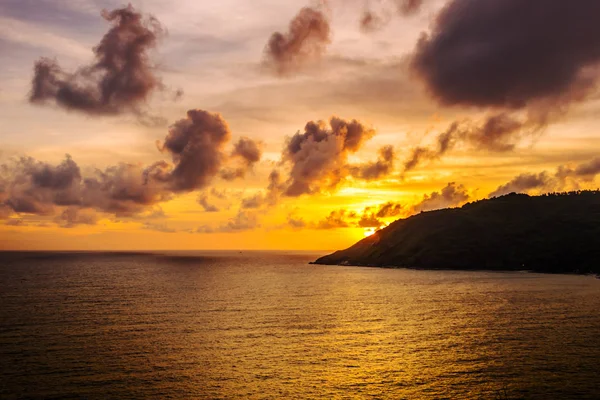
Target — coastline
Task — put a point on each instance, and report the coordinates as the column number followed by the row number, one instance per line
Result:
column 348, row 264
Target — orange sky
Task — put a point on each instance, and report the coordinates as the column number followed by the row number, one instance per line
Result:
column 219, row 56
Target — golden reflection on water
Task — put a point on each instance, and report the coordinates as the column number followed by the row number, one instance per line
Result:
column 271, row 326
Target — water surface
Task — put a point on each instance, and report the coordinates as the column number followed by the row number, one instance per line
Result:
column 268, row 325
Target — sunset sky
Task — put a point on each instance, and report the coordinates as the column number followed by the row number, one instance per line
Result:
column 271, row 124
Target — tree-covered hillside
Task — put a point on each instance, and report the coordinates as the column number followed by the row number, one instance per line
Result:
column 557, row 232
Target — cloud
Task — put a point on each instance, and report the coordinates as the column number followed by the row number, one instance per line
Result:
column 296, row 222
column 255, row 201
column 526, row 62
column 155, row 213
column 219, row 194
column 158, row 228
column 409, row 6
column 203, row 201
column 246, row 152
column 523, row 183
column 510, row 53
column 335, row 219
column 242, row 221
column 267, row 198
column 231, row 174
column 123, row 189
column 121, row 78
column 74, row 216
column 499, row 132
column 544, row 181
column 389, row 209
column 369, row 220
column 451, row 195
column 196, row 145
column 370, row 217
column 36, row 187
column 373, row 19
column 376, row 170
column 197, row 148
column 5, row 211
column 589, row 169
column 318, row 157
column 307, row 38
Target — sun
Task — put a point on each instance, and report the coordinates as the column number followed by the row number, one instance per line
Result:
column 371, row 231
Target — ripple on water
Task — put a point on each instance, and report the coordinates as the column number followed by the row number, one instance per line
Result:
column 267, row 325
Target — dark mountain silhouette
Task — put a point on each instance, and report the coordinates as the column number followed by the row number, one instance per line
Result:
column 555, row 233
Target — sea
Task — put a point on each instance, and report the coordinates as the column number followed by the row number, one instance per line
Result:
column 269, row 325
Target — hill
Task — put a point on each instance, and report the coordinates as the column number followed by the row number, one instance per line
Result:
column 555, row 233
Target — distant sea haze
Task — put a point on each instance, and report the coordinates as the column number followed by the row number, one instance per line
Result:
column 267, row 325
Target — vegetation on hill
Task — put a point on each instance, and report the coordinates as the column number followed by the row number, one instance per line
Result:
column 556, row 233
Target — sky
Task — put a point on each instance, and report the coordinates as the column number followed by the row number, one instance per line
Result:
column 283, row 125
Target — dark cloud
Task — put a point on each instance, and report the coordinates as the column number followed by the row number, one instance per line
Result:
column 255, row 201
column 376, row 170
column 15, row 222
column 369, row 220
column 5, row 210
column 219, row 194
column 408, row 7
column 154, row 212
column 267, row 198
column 524, row 183
column 296, row 222
column 563, row 177
column 589, row 169
column 37, row 187
column 417, row 156
column 74, row 216
column 389, row 209
column 248, row 150
column 370, row 217
column 231, row 174
column 246, row 153
column 510, row 53
column 196, row 144
column 203, row 201
column 307, row 38
column 450, row 196
column 158, row 228
column 498, row 132
column 242, row 221
column 371, row 21
column 123, row 189
column 120, row 79
column 528, row 61
column 318, row 157
column 59, row 178
column 335, row 219
column 374, row 18
column 275, row 187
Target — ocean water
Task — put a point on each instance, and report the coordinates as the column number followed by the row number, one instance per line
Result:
column 258, row 325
